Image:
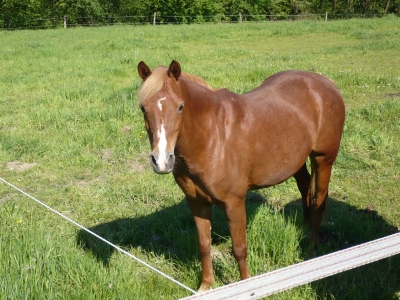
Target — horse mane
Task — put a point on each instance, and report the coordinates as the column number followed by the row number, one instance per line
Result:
column 156, row 81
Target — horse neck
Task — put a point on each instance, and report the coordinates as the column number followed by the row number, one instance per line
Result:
column 199, row 113
column 199, row 101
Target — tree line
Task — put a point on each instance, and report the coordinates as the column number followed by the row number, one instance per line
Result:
column 28, row 13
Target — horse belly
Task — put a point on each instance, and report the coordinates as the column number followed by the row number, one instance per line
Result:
column 265, row 177
column 277, row 164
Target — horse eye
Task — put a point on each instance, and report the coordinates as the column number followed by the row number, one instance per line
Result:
column 142, row 109
column 180, row 108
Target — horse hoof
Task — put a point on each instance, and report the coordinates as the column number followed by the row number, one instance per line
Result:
column 204, row 287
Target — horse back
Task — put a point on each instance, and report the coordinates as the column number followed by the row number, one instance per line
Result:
column 292, row 115
column 303, row 96
column 316, row 98
column 263, row 136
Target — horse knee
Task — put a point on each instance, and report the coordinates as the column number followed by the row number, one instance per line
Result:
column 204, row 248
column 319, row 207
column 240, row 252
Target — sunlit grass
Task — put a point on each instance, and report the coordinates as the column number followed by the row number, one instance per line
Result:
column 69, row 109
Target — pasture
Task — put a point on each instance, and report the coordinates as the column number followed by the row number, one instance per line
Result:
column 72, row 135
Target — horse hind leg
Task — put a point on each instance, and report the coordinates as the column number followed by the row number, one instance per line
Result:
column 321, row 168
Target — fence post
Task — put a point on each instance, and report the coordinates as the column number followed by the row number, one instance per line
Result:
column 154, row 19
column 240, row 17
column 65, row 21
column 326, row 16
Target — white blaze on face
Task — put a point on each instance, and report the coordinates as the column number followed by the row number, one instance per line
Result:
column 159, row 103
column 162, row 142
column 162, row 147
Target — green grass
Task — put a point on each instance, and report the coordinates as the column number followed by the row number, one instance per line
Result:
column 71, row 134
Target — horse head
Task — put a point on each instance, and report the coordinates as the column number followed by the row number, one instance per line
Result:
column 161, row 103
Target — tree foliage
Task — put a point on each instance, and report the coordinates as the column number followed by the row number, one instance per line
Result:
column 31, row 13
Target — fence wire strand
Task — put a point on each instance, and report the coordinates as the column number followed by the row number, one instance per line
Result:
column 99, row 237
column 278, row 280
column 158, row 19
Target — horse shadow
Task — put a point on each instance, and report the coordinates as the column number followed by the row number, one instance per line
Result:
column 345, row 227
column 171, row 232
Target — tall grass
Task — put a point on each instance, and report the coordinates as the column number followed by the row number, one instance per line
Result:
column 72, row 136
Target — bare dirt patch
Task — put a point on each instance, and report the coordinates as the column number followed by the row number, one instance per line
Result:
column 139, row 164
column 393, row 95
column 107, row 155
column 19, row 166
column 6, row 198
column 127, row 130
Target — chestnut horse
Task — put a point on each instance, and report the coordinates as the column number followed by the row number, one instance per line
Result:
column 219, row 145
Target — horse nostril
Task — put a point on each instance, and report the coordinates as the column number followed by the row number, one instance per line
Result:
column 153, row 160
column 171, row 160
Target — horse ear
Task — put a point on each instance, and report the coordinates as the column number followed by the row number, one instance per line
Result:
column 143, row 70
column 174, row 70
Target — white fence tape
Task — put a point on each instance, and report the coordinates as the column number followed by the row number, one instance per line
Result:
column 281, row 279
column 307, row 271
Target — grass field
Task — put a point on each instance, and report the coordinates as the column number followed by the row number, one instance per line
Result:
column 71, row 134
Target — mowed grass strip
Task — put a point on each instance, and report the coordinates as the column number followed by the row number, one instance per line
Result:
column 71, row 134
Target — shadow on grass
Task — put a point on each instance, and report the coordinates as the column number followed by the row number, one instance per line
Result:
column 168, row 232
column 348, row 226
column 160, row 233
column 171, row 232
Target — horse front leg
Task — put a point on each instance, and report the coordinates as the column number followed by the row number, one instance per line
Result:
column 235, row 210
column 202, row 217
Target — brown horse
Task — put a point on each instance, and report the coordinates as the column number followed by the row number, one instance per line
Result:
column 219, row 145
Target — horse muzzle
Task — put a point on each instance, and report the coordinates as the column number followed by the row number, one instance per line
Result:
column 162, row 162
